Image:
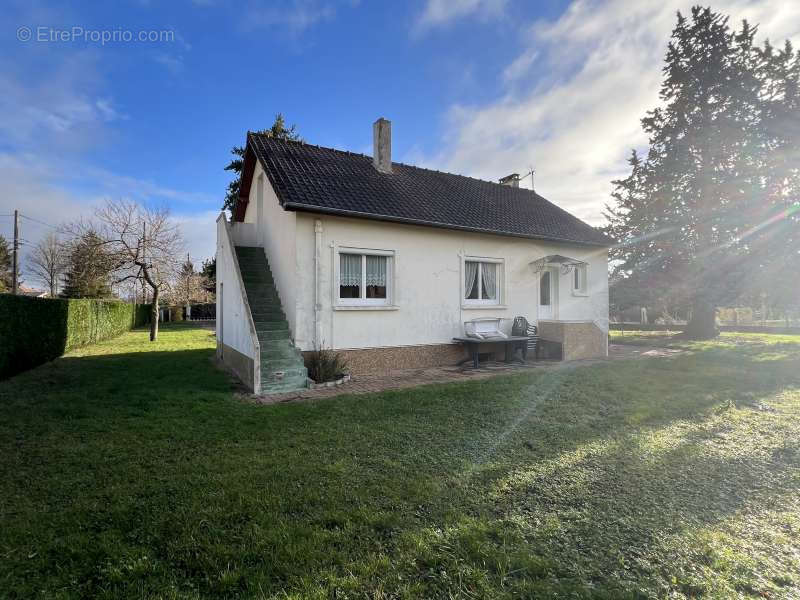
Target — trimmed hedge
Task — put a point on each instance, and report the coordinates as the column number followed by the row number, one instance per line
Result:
column 36, row 330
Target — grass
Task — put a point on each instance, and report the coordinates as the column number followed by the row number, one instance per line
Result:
column 134, row 470
column 672, row 339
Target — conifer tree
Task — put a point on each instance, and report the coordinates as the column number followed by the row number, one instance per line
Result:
column 5, row 265
column 713, row 200
column 89, row 268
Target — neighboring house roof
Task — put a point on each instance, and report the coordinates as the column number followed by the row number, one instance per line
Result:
column 34, row 293
column 323, row 180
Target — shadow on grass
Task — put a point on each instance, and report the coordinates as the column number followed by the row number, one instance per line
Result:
column 114, row 385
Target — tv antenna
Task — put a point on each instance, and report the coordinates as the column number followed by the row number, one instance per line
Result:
column 531, row 172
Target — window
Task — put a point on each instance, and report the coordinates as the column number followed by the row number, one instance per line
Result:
column 482, row 282
column 364, row 278
column 544, row 288
column 579, row 280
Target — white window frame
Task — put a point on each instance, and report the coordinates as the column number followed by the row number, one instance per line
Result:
column 583, row 277
column 498, row 301
column 364, row 301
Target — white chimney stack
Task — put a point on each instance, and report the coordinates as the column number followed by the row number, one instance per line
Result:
column 382, row 145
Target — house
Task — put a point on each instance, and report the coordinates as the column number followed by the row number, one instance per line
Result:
column 385, row 262
column 31, row 292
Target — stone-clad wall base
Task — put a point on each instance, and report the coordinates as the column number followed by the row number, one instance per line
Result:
column 578, row 339
column 242, row 366
column 375, row 361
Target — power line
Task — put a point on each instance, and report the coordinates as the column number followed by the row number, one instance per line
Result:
column 38, row 221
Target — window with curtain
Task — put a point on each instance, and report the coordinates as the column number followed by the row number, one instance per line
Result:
column 364, row 278
column 481, row 282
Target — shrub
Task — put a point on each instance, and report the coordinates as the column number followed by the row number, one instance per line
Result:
column 36, row 330
column 325, row 365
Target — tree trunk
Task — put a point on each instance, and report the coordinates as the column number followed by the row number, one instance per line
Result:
column 154, row 316
column 702, row 324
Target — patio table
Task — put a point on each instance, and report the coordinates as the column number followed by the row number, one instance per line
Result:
column 472, row 345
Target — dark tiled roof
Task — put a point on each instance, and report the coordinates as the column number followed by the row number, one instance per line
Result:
column 324, row 180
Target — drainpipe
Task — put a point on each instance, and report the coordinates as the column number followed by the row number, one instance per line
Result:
column 318, row 284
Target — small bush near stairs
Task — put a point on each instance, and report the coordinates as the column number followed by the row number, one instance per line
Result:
column 325, row 365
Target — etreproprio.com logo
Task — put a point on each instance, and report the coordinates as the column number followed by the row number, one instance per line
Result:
column 57, row 35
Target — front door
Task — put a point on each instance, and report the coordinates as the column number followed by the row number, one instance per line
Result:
column 548, row 294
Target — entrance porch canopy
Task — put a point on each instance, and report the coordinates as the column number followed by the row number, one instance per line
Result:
column 565, row 263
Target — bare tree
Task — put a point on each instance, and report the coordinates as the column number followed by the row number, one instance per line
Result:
column 48, row 261
column 146, row 245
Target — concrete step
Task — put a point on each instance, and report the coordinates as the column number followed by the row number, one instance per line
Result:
column 265, row 290
column 268, row 320
column 254, row 271
column 292, row 362
column 272, row 350
column 277, row 324
column 263, row 297
column 253, row 252
column 286, row 385
column 257, row 302
column 273, row 334
column 257, row 280
column 272, row 375
column 278, row 344
column 272, row 356
column 268, row 314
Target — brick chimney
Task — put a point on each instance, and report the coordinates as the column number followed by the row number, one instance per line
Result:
column 382, row 145
column 511, row 180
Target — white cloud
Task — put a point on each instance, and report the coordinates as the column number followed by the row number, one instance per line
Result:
column 116, row 185
column 598, row 69
column 521, row 65
column 172, row 63
column 442, row 12
column 292, row 17
column 199, row 233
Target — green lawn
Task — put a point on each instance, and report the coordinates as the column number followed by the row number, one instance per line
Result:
column 134, row 470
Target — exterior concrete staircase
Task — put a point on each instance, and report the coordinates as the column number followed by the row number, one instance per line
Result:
column 282, row 367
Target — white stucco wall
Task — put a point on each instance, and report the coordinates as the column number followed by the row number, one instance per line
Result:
column 274, row 229
column 233, row 325
column 428, row 283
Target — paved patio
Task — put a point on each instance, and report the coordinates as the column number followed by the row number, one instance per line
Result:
column 407, row 378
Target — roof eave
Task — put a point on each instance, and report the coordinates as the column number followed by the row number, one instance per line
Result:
column 300, row 207
column 249, row 161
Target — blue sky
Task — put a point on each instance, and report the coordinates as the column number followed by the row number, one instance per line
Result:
column 479, row 87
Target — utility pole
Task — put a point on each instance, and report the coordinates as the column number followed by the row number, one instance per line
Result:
column 188, row 277
column 15, row 273
column 188, row 285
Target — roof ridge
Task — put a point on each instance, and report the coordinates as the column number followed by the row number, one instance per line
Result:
column 302, row 143
column 401, row 164
column 329, row 180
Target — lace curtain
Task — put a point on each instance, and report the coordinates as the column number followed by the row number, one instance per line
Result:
column 489, row 277
column 470, row 279
column 376, row 270
column 349, row 269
